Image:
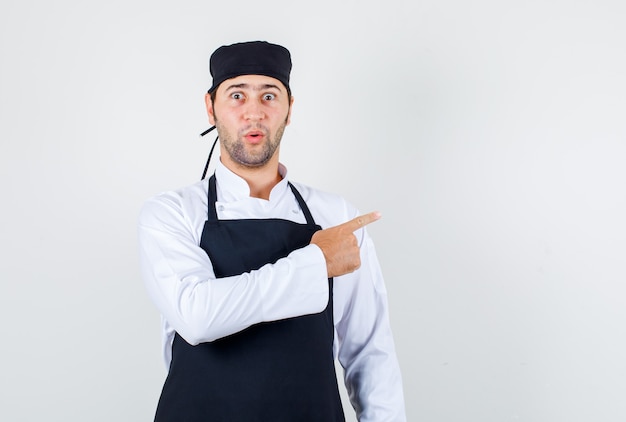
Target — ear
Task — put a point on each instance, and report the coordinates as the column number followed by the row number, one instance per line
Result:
column 209, row 108
column 289, row 112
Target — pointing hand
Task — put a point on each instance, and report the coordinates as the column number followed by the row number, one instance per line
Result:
column 340, row 246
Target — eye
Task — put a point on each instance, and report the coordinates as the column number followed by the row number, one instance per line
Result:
column 269, row 97
column 236, row 95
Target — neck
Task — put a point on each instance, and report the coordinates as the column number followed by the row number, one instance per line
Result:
column 261, row 180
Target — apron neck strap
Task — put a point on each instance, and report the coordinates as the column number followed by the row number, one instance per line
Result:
column 303, row 206
column 212, row 197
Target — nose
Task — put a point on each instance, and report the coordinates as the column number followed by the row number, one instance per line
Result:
column 254, row 111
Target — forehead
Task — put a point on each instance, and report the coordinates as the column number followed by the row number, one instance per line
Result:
column 251, row 82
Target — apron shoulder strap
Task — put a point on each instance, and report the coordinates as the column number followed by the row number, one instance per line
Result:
column 303, row 206
column 211, row 198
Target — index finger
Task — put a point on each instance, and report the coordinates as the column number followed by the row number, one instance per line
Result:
column 360, row 221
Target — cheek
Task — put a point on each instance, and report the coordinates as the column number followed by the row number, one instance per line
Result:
column 220, row 116
column 281, row 115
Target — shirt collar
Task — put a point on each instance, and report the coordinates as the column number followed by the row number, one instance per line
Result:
column 231, row 187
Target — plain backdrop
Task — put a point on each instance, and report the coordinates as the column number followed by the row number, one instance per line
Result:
column 490, row 134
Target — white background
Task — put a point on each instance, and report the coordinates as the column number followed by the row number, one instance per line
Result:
column 491, row 135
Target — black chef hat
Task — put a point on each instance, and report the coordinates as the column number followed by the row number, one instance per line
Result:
column 250, row 58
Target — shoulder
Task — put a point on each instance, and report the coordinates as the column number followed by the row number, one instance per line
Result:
column 185, row 203
column 328, row 208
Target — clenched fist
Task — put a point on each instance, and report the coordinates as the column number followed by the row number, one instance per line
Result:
column 339, row 245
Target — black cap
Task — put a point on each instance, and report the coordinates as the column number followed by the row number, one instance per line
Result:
column 250, row 58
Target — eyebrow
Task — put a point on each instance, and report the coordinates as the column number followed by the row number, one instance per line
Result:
column 253, row 87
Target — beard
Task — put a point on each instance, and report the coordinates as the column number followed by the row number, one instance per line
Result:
column 249, row 157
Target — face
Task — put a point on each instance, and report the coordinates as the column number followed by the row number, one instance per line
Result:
column 250, row 113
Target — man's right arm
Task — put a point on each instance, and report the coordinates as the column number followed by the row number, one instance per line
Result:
column 339, row 244
column 200, row 307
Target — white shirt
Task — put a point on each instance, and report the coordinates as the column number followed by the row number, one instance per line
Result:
column 201, row 308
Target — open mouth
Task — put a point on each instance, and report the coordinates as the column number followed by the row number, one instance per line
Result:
column 254, row 136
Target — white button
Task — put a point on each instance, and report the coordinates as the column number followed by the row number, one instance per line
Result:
column 220, row 207
column 295, row 211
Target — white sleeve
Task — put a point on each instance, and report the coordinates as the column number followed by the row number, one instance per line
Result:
column 201, row 308
column 365, row 343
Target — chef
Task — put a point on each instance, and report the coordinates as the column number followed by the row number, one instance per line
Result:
column 263, row 282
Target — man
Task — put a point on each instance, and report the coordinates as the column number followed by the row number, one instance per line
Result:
column 257, row 299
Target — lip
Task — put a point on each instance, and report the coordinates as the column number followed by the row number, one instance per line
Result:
column 254, row 136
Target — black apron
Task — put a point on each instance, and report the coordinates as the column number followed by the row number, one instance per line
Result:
column 270, row 372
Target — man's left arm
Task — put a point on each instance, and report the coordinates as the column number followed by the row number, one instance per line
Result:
column 366, row 348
